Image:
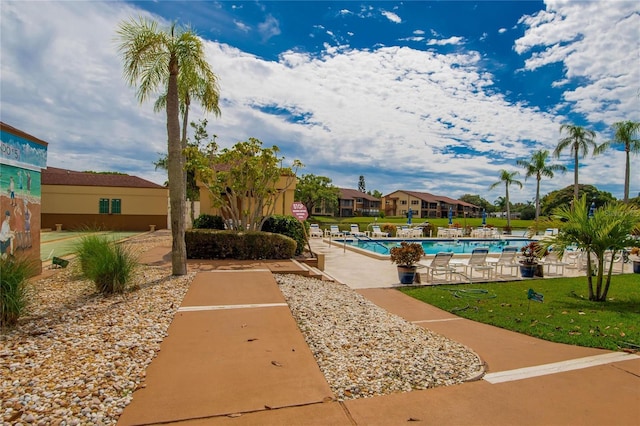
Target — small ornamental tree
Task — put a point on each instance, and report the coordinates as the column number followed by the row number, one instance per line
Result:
column 243, row 181
column 609, row 229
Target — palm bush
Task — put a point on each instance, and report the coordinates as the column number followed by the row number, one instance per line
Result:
column 109, row 265
column 14, row 291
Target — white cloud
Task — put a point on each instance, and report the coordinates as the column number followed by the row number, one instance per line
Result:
column 597, row 42
column 391, row 16
column 443, row 42
column 242, row 26
column 269, row 28
column 502, row 30
column 400, row 116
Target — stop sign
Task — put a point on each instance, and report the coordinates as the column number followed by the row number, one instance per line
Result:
column 299, row 210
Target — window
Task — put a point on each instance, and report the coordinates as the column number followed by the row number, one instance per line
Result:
column 415, row 202
column 104, row 206
column 403, row 202
column 115, row 206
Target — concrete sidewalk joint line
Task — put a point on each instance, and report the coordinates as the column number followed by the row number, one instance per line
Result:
column 221, row 307
column 557, row 367
column 237, row 270
column 436, row 320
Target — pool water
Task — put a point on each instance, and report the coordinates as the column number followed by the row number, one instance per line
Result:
column 465, row 246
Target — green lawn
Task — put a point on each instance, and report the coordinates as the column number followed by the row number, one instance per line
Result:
column 566, row 315
column 64, row 243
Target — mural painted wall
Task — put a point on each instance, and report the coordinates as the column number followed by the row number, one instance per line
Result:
column 22, row 157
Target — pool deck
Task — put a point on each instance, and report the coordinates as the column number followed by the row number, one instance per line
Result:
column 366, row 270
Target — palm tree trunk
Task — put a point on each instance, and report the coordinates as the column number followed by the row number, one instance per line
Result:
column 538, row 199
column 575, row 174
column 627, row 172
column 508, row 209
column 176, row 174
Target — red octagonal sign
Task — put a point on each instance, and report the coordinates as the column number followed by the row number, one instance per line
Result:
column 299, row 210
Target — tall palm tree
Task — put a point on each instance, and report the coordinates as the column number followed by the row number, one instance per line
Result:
column 508, row 178
column 537, row 166
column 624, row 134
column 579, row 140
column 154, row 59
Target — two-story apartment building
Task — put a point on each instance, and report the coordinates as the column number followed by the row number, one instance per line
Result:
column 356, row 203
column 426, row 205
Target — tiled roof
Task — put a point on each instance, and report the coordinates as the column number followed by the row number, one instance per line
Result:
column 346, row 193
column 55, row 176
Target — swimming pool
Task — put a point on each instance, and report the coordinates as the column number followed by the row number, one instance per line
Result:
column 432, row 246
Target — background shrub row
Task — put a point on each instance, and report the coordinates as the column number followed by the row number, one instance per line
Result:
column 212, row 244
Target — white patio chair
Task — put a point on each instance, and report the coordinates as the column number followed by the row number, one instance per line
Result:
column 377, row 233
column 334, row 231
column 507, row 259
column 478, row 262
column 315, row 231
column 415, row 233
column 355, row 231
column 552, row 260
column 439, row 266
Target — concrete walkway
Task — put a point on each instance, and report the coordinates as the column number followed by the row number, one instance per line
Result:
column 235, row 356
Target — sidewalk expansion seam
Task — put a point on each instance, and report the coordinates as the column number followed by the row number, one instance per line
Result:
column 222, row 307
column 437, row 320
column 557, row 367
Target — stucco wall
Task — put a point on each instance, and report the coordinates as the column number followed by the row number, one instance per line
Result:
column 79, row 206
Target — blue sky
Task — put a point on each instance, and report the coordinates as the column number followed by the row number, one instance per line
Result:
column 416, row 95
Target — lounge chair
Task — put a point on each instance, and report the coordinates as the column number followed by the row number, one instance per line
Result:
column 334, row 231
column 356, row 232
column 478, row 262
column 439, row 266
column 315, row 231
column 376, row 232
column 552, row 260
column 415, row 233
column 407, row 232
column 507, row 259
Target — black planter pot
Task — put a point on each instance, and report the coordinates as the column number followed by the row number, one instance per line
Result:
column 636, row 266
column 406, row 274
column 528, row 271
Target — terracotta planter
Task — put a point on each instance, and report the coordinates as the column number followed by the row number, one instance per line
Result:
column 406, row 274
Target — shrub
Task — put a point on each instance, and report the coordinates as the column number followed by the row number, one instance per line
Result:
column 407, row 254
column 208, row 244
column 15, row 272
column 289, row 226
column 109, row 265
column 207, row 221
column 389, row 228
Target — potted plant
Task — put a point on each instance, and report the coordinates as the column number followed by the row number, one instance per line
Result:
column 406, row 256
column 529, row 260
column 634, row 256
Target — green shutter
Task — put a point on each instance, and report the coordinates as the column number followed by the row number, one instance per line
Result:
column 115, row 206
column 104, row 206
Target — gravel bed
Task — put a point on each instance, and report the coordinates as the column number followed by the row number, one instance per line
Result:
column 364, row 351
column 76, row 357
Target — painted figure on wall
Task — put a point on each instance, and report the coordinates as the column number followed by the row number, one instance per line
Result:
column 6, row 236
column 12, row 191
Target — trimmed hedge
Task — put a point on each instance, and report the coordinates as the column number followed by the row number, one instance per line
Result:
column 289, row 226
column 207, row 221
column 250, row 245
